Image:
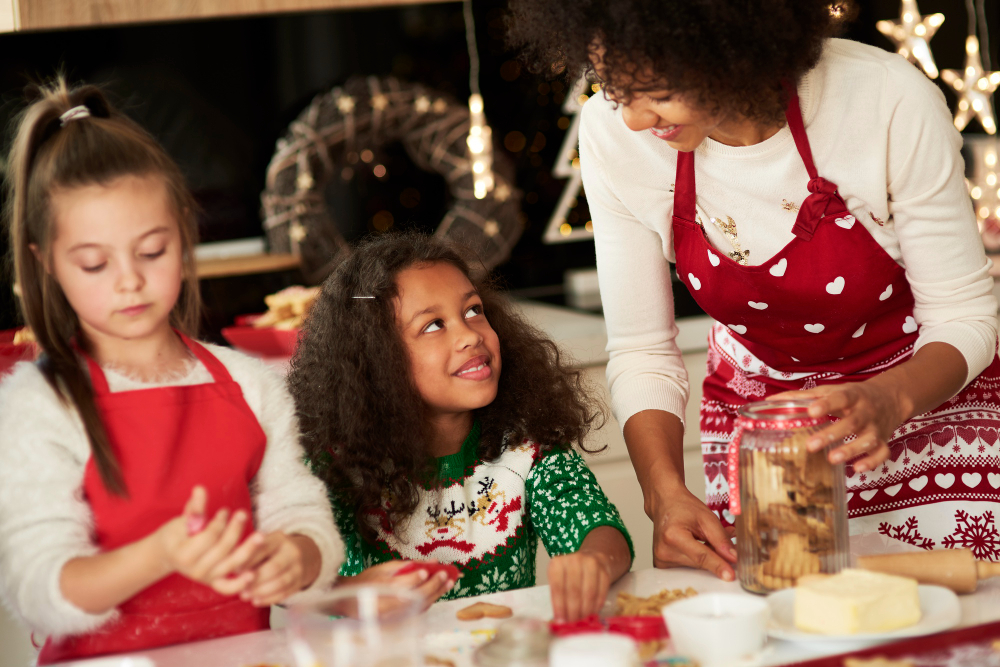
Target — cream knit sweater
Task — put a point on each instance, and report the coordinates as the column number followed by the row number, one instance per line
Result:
column 45, row 522
column 878, row 128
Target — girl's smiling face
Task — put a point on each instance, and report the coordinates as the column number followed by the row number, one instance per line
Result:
column 454, row 352
column 116, row 254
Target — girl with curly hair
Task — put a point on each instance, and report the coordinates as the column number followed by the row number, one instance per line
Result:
column 830, row 235
column 441, row 423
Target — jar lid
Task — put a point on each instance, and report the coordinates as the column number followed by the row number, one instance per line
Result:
column 777, row 410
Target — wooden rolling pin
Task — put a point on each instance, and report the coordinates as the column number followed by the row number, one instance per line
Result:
column 956, row 569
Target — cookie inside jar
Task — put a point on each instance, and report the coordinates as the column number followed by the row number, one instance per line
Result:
column 793, row 518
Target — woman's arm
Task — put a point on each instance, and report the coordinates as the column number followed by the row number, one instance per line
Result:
column 685, row 532
column 873, row 409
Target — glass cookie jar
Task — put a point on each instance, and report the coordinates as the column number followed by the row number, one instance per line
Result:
column 792, row 507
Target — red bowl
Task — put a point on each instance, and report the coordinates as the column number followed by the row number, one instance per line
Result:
column 263, row 342
column 10, row 353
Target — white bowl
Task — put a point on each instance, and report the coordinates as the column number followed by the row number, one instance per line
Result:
column 718, row 629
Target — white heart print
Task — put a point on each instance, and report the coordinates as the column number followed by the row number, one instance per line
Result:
column 857, row 334
column 918, row 483
column 869, row 494
column 738, row 328
column 713, row 259
column 886, row 294
column 814, row 328
column 994, row 480
column 758, row 306
column 728, row 516
column 944, row 481
column 837, row 286
column 849, row 495
column 893, row 490
column 695, row 283
column 846, row 222
column 778, row 269
column 971, row 479
column 910, row 325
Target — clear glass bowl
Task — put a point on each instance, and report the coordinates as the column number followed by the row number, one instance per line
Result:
column 358, row 626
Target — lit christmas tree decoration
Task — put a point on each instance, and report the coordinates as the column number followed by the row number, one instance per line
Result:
column 480, row 139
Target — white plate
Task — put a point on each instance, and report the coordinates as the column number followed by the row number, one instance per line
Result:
column 939, row 610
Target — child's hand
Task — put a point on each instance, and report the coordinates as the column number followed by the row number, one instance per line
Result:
column 430, row 588
column 579, row 584
column 205, row 552
column 281, row 565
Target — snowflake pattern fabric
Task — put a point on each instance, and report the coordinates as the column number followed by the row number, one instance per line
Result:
column 486, row 517
column 940, row 487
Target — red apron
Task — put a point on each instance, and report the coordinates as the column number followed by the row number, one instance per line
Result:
column 831, row 307
column 167, row 440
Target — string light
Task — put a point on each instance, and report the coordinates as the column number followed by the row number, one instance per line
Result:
column 911, row 34
column 480, row 139
column 974, row 85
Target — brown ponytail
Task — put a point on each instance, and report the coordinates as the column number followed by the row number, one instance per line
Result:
column 45, row 155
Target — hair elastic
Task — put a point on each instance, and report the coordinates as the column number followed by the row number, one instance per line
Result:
column 362, row 297
column 75, row 113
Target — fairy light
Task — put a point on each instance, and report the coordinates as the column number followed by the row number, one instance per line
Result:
column 480, row 139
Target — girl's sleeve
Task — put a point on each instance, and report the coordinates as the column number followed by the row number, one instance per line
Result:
column 939, row 239
column 44, row 520
column 645, row 369
column 345, row 519
column 565, row 503
column 287, row 496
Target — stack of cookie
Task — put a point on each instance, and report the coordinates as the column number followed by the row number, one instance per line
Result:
column 789, row 516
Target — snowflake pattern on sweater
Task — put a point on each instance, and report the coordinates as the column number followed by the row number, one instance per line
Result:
column 486, row 517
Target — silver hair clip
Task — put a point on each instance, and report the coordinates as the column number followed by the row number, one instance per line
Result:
column 76, row 113
column 362, row 297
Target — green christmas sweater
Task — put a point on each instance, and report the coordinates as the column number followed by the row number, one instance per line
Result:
column 486, row 517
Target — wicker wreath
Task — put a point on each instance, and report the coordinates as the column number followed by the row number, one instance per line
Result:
column 368, row 113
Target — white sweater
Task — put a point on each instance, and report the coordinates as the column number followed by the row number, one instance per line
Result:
column 45, row 521
column 879, row 130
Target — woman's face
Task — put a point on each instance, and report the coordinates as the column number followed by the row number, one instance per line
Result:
column 454, row 352
column 668, row 116
column 116, row 253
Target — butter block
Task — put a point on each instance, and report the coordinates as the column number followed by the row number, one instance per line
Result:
column 856, row 601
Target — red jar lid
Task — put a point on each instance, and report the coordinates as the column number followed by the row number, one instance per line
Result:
column 590, row 624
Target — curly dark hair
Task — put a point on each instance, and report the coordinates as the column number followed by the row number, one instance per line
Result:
column 364, row 429
column 726, row 56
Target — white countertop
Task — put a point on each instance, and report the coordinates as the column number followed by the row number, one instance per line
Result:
column 450, row 638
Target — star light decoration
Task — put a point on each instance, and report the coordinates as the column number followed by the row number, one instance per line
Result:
column 911, row 34
column 974, row 87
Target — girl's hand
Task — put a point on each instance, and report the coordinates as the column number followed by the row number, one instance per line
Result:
column 204, row 552
column 281, row 565
column 871, row 410
column 429, row 587
column 579, row 584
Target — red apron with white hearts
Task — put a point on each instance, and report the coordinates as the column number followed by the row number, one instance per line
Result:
column 168, row 440
column 832, row 307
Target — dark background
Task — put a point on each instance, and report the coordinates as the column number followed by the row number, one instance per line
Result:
column 219, row 93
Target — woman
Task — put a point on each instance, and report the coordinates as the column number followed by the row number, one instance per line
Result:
column 830, row 234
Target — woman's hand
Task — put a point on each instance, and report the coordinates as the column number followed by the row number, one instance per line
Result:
column 871, row 410
column 688, row 534
column 280, row 565
column 430, row 588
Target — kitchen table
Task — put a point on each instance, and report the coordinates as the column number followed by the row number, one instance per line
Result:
column 448, row 637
